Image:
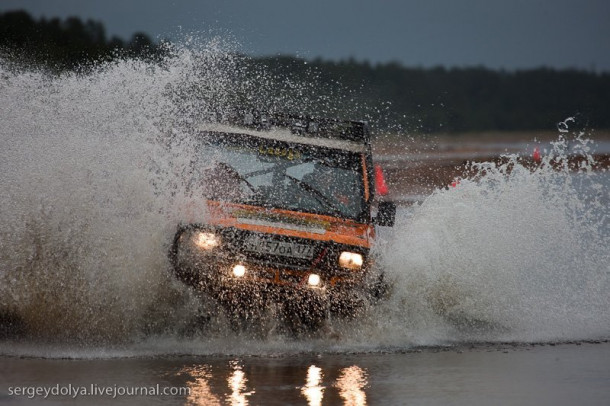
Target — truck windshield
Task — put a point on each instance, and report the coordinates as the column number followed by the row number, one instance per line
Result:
column 251, row 170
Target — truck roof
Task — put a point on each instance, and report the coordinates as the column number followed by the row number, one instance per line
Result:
column 282, row 134
column 346, row 135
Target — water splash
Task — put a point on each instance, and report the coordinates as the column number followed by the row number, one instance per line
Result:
column 93, row 185
column 512, row 253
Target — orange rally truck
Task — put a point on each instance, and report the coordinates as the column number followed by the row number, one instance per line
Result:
column 289, row 223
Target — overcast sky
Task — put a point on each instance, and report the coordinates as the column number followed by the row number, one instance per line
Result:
column 508, row 34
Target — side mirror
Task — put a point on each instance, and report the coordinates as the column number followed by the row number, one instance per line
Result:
column 386, row 214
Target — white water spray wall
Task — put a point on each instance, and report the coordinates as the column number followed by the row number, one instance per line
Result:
column 94, row 179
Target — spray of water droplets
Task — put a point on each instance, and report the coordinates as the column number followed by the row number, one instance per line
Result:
column 94, row 180
column 514, row 253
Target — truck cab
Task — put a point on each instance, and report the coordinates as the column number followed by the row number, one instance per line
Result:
column 289, row 219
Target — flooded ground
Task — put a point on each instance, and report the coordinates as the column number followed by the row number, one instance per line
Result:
column 503, row 374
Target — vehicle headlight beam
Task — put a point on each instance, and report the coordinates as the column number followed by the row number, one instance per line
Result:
column 313, row 279
column 351, row 260
column 239, row 270
column 206, row 240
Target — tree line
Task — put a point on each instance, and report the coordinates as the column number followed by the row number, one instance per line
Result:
column 466, row 99
column 67, row 44
column 415, row 99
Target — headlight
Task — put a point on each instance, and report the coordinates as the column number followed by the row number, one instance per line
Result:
column 313, row 279
column 350, row 260
column 206, row 240
column 239, row 270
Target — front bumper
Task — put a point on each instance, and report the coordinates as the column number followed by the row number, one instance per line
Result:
column 262, row 279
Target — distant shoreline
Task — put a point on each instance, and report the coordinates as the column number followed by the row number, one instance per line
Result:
column 416, row 167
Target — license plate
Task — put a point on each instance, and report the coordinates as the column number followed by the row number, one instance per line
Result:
column 281, row 248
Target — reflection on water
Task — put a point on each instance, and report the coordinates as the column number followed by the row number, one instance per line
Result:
column 351, row 384
column 199, row 385
column 313, row 389
column 237, row 383
column 236, row 386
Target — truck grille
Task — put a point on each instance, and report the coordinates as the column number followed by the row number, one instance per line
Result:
column 278, row 251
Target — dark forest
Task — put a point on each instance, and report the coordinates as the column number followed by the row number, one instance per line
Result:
column 472, row 99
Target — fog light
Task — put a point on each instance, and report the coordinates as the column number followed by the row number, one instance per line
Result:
column 239, row 271
column 350, row 260
column 206, row 240
column 313, row 280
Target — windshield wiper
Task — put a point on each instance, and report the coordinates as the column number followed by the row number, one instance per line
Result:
column 317, row 195
column 229, row 170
